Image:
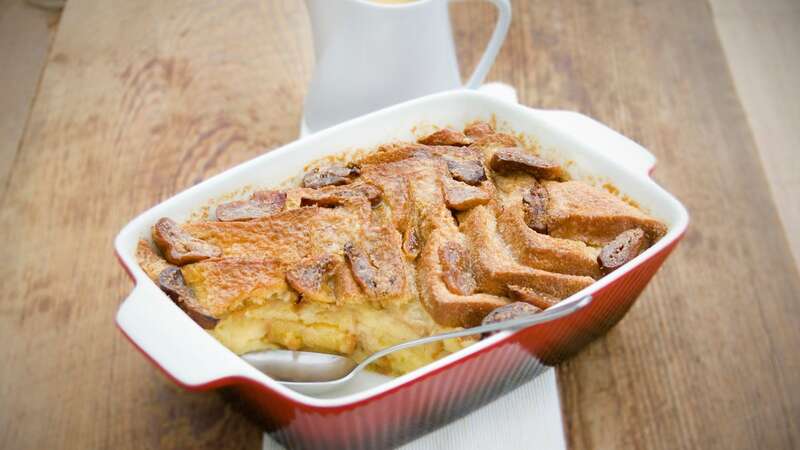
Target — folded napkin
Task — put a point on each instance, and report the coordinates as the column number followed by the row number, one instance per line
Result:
column 528, row 417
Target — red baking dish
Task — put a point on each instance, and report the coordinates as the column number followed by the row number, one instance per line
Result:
column 377, row 411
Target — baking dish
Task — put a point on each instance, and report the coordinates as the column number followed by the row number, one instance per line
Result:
column 377, row 411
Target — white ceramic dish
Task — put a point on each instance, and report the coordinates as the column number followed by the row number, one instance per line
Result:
column 194, row 359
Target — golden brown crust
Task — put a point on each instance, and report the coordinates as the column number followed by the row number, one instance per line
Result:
column 329, row 176
column 412, row 189
column 331, row 196
column 495, row 140
column 224, row 285
column 313, row 278
column 477, row 130
column 446, row 136
column 411, row 242
column 376, row 266
column 179, row 247
column 582, row 212
column 515, row 159
column 496, row 268
column 173, row 284
column 260, row 204
column 299, row 235
column 541, row 251
column 346, row 287
column 410, row 222
column 289, row 236
column 446, row 307
column 527, row 295
column 461, row 197
column 399, row 151
column 151, row 263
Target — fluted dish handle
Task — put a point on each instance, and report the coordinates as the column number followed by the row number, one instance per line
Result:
column 623, row 150
column 160, row 330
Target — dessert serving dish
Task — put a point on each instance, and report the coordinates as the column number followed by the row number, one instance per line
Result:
column 387, row 245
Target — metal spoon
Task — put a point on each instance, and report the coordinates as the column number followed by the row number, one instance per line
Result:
column 323, row 371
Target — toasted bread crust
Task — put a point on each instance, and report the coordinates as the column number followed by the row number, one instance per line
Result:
column 582, row 212
column 151, row 263
column 423, row 222
column 223, row 285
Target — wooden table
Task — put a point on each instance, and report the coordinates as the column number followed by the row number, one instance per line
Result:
column 140, row 100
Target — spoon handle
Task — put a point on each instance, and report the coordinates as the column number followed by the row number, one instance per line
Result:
column 549, row 314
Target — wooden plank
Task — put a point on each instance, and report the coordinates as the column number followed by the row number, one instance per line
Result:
column 760, row 41
column 156, row 96
column 705, row 359
column 139, row 100
column 25, row 33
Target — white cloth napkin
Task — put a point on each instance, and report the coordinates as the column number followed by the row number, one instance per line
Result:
column 528, row 417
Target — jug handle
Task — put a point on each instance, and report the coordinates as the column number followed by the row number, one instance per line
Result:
column 495, row 42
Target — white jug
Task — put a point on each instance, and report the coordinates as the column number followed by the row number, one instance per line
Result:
column 370, row 55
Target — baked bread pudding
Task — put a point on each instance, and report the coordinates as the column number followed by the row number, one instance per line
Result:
column 408, row 240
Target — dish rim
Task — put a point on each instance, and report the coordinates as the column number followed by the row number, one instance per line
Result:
column 249, row 375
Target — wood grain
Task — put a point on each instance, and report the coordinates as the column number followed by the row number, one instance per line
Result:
column 172, row 93
column 25, row 35
column 760, row 42
column 708, row 358
column 156, row 96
